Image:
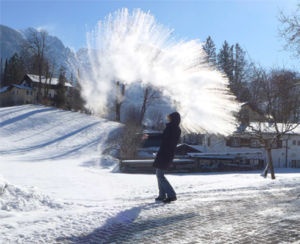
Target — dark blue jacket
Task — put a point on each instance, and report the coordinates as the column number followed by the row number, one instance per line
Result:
column 169, row 140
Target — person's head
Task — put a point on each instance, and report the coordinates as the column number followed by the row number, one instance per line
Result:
column 174, row 118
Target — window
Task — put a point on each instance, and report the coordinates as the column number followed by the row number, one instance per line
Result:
column 29, row 93
column 17, row 92
column 13, row 93
column 200, row 139
column 274, row 146
column 298, row 143
column 254, row 143
column 298, row 164
column 254, row 161
column 294, row 163
column 294, row 142
column 49, row 95
column 236, row 142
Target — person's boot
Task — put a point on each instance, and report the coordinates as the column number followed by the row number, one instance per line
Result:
column 159, row 199
column 168, row 200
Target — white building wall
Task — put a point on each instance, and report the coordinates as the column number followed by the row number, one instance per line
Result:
column 282, row 157
column 293, row 150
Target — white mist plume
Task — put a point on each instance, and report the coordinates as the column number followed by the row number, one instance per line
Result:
column 135, row 48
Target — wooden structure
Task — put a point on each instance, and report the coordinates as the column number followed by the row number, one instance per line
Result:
column 185, row 149
column 196, row 162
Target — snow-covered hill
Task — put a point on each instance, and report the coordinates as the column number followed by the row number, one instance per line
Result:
column 49, row 133
column 11, row 41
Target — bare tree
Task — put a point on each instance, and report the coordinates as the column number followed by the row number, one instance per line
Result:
column 157, row 119
column 290, row 31
column 36, row 45
column 50, row 70
column 120, row 93
column 127, row 140
column 279, row 101
column 150, row 95
column 78, row 102
column 132, row 114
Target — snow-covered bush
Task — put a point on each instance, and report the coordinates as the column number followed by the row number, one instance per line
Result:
column 126, row 140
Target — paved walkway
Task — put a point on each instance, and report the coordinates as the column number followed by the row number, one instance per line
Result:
column 245, row 216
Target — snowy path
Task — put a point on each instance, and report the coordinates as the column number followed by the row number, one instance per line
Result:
column 62, row 190
column 238, row 216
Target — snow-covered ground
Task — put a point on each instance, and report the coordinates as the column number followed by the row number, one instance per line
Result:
column 56, row 186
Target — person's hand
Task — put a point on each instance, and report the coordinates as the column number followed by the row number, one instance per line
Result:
column 145, row 136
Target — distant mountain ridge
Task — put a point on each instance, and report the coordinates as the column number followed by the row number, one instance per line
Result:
column 10, row 42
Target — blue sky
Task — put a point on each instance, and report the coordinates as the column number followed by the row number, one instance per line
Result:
column 253, row 24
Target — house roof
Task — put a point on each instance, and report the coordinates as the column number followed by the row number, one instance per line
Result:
column 3, row 89
column 269, row 128
column 193, row 148
column 54, row 81
column 215, row 154
column 23, row 87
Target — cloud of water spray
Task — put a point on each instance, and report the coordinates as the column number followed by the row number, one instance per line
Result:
column 134, row 47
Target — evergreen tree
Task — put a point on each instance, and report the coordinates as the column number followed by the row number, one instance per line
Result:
column 5, row 79
column 225, row 60
column 209, row 48
column 232, row 61
column 239, row 85
column 70, row 98
column 78, row 102
column 60, row 98
column 14, row 71
column 22, row 68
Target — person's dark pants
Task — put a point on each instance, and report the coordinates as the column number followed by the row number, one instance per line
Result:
column 163, row 185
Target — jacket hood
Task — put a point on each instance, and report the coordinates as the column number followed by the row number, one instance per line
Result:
column 175, row 118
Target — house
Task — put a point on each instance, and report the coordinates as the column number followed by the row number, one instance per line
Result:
column 192, row 139
column 26, row 91
column 16, row 95
column 285, row 153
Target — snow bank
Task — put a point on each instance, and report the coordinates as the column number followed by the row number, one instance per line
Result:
column 21, row 199
column 106, row 162
column 102, row 162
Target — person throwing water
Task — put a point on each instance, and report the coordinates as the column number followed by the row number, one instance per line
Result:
column 169, row 140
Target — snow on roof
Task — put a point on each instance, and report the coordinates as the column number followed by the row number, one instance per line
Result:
column 216, row 157
column 54, row 81
column 3, row 89
column 151, row 131
column 269, row 128
column 198, row 148
column 152, row 160
column 223, row 154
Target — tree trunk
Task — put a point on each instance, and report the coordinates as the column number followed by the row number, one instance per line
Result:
column 118, row 112
column 143, row 110
column 119, row 100
column 271, row 164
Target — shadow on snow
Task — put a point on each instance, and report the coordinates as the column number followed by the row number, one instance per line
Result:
column 125, row 226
